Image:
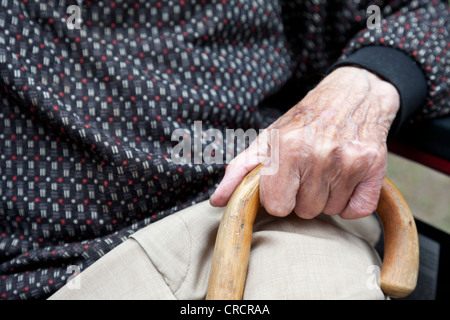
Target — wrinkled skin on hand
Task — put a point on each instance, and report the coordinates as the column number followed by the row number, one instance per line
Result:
column 332, row 150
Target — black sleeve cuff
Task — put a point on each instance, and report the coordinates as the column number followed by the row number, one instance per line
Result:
column 397, row 68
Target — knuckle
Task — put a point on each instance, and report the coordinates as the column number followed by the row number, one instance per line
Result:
column 295, row 141
column 325, row 152
column 354, row 157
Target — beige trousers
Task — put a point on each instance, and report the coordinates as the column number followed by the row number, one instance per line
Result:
column 291, row 258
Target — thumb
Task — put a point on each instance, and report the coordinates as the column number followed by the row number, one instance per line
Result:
column 237, row 170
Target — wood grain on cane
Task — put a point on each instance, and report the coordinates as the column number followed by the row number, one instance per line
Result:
column 399, row 271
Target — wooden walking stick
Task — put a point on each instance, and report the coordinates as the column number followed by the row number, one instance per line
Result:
column 399, row 271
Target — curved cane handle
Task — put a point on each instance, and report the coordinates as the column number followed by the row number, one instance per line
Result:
column 399, row 272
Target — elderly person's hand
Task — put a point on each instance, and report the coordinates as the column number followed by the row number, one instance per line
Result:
column 332, row 150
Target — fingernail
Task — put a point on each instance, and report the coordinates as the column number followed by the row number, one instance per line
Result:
column 210, row 200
